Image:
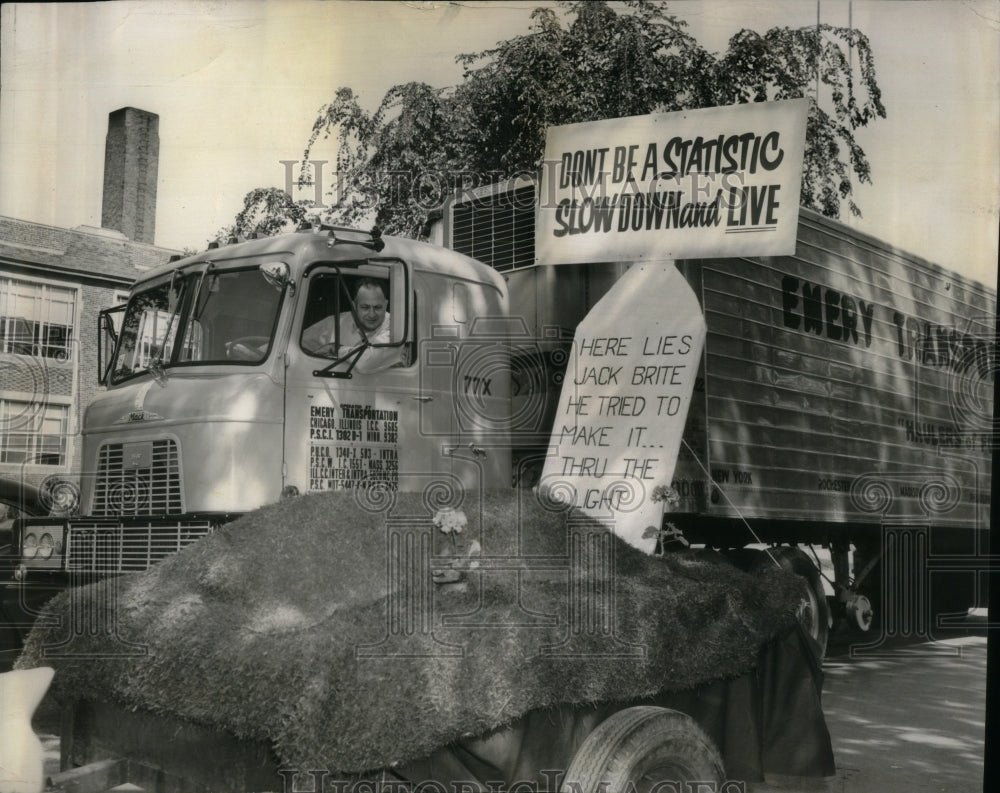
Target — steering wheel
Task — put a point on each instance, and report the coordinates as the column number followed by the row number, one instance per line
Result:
column 247, row 348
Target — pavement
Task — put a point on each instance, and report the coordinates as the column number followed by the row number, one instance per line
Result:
column 905, row 716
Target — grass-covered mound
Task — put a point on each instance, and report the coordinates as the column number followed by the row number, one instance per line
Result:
column 316, row 624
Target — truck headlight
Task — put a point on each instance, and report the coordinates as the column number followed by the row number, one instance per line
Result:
column 45, row 546
column 29, row 548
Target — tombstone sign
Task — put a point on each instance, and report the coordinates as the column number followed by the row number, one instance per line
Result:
column 625, row 399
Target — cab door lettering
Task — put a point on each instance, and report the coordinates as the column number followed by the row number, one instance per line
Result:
column 477, row 386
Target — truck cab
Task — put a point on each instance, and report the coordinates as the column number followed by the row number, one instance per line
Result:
column 219, row 400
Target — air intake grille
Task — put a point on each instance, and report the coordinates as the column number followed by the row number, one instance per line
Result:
column 138, row 479
column 498, row 228
column 110, row 548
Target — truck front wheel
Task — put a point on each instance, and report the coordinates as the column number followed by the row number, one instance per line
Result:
column 643, row 749
column 814, row 611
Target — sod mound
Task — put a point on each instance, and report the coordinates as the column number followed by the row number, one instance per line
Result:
column 336, row 629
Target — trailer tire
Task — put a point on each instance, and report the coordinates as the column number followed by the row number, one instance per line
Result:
column 639, row 747
column 814, row 612
column 869, row 553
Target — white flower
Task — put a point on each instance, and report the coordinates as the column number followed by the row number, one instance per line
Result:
column 450, row 521
column 667, row 494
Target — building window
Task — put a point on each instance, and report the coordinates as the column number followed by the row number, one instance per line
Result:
column 33, row 434
column 120, row 298
column 36, row 319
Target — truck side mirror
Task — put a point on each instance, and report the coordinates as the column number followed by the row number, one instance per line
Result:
column 276, row 274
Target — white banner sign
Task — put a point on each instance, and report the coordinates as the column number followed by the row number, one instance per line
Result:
column 723, row 181
column 625, row 399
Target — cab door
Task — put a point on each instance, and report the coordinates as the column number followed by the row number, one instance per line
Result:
column 360, row 431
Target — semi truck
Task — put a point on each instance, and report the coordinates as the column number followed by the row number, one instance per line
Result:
column 844, row 402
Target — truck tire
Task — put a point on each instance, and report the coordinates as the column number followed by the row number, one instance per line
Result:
column 638, row 748
column 814, row 612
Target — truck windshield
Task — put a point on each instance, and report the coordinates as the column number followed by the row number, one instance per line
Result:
column 220, row 317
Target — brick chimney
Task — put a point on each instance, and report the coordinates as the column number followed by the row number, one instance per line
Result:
column 130, row 168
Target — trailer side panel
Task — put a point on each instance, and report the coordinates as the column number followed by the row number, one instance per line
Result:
column 848, row 383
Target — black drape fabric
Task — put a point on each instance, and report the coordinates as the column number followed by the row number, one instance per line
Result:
column 770, row 720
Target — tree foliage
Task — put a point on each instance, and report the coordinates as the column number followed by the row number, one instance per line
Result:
column 590, row 62
column 266, row 211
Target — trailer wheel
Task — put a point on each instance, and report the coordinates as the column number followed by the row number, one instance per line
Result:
column 814, row 612
column 641, row 748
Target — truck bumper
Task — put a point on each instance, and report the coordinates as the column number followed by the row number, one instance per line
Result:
column 85, row 548
column 48, row 555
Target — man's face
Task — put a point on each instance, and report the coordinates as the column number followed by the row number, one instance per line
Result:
column 371, row 307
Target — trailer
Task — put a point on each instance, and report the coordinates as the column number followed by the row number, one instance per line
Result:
column 608, row 746
column 324, row 643
column 844, row 401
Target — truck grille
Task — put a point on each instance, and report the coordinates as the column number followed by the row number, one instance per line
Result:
column 141, row 478
column 111, row 548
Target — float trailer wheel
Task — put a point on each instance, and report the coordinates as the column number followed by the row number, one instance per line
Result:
column 640, row 748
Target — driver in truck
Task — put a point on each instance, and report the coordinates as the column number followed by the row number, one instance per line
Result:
column 371, row 327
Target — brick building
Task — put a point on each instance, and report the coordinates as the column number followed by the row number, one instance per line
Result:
column 53, row 283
